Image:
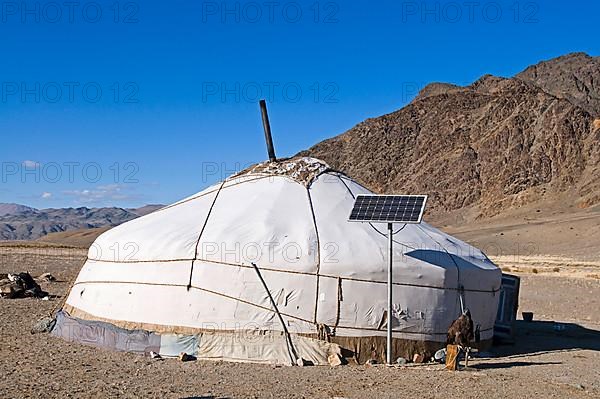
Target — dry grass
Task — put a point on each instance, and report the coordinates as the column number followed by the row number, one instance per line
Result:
column 550, row 265
column 34, row 244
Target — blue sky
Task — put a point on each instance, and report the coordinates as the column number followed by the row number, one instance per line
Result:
column 127, row 103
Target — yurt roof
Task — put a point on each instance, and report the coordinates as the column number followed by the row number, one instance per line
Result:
column 304, row 170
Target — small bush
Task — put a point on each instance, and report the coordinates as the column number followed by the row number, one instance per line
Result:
column 556, row 269
column 534, row 270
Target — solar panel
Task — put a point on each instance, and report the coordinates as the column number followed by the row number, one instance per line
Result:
column 388, row 208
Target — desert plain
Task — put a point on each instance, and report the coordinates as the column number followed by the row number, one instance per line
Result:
column 555, row 356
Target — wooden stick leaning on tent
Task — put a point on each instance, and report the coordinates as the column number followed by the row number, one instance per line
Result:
column 291, row 350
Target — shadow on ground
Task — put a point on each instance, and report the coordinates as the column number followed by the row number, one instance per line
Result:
column 201, row 397
column 508, row 365
column 548, row 336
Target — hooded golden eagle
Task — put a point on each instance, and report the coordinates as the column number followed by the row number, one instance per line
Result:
column 461, row 331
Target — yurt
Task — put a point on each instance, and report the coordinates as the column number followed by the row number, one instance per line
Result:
column 265, row 267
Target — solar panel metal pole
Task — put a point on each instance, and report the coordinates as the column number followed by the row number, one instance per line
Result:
column 390, row 209
column 389, row 307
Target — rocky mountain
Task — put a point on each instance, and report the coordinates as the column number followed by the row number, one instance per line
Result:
column 146, row 209
column 8, row 209
column 493, row 145
column 575, row 77
column 24, row 223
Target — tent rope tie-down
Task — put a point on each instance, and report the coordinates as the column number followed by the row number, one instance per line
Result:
column 290, row 345
column 338, row 312
column 318, row 256
column 201, row 232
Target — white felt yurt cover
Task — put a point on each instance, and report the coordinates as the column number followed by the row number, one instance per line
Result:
column 190, row 268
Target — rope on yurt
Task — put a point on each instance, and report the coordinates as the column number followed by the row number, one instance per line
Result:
column 340, row 298
column 318, row 254
column 200, row 235
column 239, row 265
column 291, row 351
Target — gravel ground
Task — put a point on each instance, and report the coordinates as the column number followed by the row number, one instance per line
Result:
column 545, row 363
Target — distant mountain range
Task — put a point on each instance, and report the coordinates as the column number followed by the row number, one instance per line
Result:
column 486, row 148
column 19, row 222
column 9, row 209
